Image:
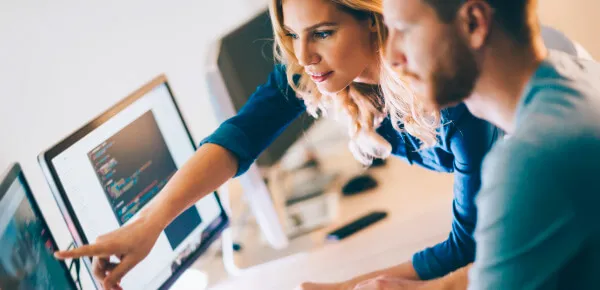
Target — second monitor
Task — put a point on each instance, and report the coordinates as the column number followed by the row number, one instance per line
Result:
column 26, row 244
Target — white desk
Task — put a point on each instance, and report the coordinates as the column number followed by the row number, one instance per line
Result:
column 419, row 206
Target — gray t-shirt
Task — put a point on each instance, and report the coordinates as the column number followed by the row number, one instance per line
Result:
column 539, row 205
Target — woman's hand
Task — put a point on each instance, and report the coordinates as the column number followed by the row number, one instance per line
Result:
column 130, row 244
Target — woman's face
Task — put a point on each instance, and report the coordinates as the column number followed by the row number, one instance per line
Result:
column 333, row 46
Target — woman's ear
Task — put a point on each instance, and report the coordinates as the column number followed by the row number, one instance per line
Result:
column 373, row 23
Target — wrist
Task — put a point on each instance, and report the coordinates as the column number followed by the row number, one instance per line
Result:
column 457, row 280
column 153, row 220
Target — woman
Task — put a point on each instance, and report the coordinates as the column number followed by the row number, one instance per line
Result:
column 332, row 59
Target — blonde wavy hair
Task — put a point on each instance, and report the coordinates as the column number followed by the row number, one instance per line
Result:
column 363, row 106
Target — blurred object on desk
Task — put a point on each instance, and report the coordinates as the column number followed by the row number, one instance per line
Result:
column 359, row 184
column 419, row 207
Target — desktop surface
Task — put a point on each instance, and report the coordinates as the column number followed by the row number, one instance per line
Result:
column 420, row 214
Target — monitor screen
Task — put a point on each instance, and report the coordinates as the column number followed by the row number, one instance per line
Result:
column 114, row 166
column 26, row 245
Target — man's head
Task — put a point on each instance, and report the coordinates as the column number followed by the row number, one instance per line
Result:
column 440, row 45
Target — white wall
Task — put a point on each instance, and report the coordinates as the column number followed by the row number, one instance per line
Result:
column 579, row 19
column 64, row 62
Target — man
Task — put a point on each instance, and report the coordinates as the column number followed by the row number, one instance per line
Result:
column 537, row 223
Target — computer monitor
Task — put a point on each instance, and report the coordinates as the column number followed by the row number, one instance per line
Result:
column 106, row 172
column 242, row 60
column 26, row 244
column 238, row 63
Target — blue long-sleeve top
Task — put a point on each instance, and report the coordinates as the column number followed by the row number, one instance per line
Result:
column 463, row 142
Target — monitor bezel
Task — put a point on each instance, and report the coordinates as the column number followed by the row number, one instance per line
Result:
column 15, row 173
column 216, row 227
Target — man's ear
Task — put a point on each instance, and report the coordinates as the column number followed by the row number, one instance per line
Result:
column 475, row 22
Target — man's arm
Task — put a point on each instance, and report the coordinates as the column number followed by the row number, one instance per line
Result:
column 528, row 229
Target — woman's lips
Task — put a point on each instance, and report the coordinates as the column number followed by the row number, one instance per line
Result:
column 320, row 77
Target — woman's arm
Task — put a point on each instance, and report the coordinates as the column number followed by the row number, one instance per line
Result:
column 402, row 271
column 465, row 140
column 210, row 167
column 468, row 139
column 268, row 112
column 232, row 148
column 227, row 152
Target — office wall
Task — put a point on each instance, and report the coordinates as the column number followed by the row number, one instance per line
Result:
column 579, row 19
column 64, row 62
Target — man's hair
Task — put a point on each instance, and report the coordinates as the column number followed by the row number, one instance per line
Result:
column 512, row 15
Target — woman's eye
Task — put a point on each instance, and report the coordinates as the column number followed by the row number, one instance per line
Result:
column 292, row 35
column 322, row 34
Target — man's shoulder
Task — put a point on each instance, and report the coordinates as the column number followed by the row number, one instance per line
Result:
column 562, row 75
column 562, row 102
column 565, row 156
column 546, row 134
